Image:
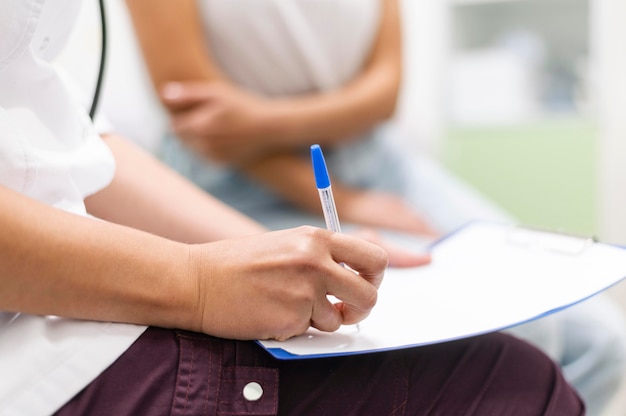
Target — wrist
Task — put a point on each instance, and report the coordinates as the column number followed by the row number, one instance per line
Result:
column 284, row 126
column 172, row 302
column 197, row 290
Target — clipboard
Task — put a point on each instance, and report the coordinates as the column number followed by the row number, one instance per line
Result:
column 484, row 277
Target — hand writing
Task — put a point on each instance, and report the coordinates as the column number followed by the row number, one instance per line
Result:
column 281, row 288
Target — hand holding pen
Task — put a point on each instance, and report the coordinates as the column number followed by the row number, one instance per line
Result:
column 322, row 181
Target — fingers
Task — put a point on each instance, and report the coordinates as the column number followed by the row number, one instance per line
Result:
column 368, row 259
column 194, row 121
column 195, row 117
column 398, row 256
column 325, row 316
column 179, row 95
column 357, row 292
column 186, row 101
column 419, row 227
column 401, row 258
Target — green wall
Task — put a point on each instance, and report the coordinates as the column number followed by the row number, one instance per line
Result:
column 544, row 173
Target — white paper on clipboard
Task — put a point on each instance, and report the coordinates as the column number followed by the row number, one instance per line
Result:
column 484, row 277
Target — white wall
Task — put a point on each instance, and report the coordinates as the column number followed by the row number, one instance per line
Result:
column 426, row 38
column 609, row 36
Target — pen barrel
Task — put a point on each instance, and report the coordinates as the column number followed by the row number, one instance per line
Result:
column 329, row 209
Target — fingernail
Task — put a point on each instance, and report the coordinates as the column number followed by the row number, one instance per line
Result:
column 172, row 90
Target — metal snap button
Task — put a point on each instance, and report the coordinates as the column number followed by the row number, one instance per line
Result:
column 252, row 391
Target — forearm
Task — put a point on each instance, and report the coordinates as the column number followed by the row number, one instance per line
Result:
column 147, row 195
column 54, row 262
column 368, row 99
column 340, row 115
column 175, row 51
column 172, row 41
column 292, row 177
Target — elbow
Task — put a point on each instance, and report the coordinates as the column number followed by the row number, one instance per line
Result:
column 390, row 107
column 390, row 80
column 388, row 104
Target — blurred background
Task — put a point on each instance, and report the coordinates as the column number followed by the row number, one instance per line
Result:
column 524, row 99
column 524, row 102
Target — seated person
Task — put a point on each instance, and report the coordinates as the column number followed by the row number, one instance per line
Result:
column 150, row 307
column 249, row 86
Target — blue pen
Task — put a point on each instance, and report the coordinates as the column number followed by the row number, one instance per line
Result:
column 322, row 181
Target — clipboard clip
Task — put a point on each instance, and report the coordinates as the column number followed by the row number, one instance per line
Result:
column 541, row 240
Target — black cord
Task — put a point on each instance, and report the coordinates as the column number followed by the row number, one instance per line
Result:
column 103, row 27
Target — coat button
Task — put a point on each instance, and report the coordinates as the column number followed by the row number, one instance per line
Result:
column 252, row 391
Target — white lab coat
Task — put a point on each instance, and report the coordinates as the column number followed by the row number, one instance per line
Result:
column 49, row 151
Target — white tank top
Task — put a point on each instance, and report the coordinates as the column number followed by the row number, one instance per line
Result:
column 284, row 47
column 49, row 151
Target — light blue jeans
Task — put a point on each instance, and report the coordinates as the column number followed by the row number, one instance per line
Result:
column 588, row 340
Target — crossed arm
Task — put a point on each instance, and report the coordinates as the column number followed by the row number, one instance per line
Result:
column 170, row 34
column 259, row 135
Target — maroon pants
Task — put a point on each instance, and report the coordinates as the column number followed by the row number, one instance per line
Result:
column 168, row 372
